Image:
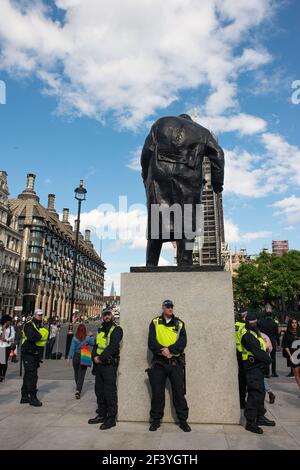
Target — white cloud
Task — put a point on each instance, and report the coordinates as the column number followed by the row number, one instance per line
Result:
column 233, row 234
column 288, row 207
column 245, row 124
column 133, row 58
column 134, row 163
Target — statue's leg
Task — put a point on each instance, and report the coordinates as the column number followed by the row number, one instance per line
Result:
column 184, row 255
column 153, row 252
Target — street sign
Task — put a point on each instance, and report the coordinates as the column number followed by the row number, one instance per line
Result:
column 18, row 309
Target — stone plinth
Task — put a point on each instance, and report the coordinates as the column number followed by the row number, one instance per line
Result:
column 204, row 301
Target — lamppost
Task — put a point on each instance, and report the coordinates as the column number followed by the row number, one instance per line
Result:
column 80, row 194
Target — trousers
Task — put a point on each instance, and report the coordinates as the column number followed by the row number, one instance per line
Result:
column 256, row 394
column 30, row 378
column 79, row 372
column 158, row 375
column 106, row 390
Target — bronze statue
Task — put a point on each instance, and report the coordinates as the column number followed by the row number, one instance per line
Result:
column 171, row 163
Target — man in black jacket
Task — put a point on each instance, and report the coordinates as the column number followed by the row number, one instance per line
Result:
column 167, row 341
column 106, row 353
column 32, row 354
column 171, row 162
column 270, row 328
column 256, row 359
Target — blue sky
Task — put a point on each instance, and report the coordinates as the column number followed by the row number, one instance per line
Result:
column 85, row 80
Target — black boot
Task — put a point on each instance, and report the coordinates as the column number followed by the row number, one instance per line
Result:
column 108, row 423
column 184, row 426
column 271, row 397
column 263, row 421
column 154, row 425
column 98, row 419
column 25, row 398
column 34, row 401
column 252, row 427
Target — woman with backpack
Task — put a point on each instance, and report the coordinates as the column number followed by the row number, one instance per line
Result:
column 80, row 353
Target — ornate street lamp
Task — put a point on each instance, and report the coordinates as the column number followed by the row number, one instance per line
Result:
column 80, row 195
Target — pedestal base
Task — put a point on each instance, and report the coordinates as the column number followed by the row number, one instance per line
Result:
column 204, row 301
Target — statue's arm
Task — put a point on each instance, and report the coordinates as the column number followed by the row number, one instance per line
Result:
column 216, row 156
column 146, row 155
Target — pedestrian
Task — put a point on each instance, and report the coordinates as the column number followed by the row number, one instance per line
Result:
column 167, row 341
column 106, row 357
column 7, row 336
column 269, row 348
column 53, row 329
column 33, row 342
column 289, row 349
column 79, row 341
column 239, row 326
column 256, row 359
column 270, row 328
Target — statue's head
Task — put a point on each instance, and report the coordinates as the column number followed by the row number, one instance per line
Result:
column 185, row 116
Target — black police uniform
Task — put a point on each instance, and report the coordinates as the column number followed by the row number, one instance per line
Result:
column 31, row 356
column 255, row 368
column 106, row 374
column 172, row 368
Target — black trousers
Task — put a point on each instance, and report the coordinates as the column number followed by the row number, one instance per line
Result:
column 184, row 255
column 3, row 367
column 106, row 390
column 49, row 347
column 242, row 384
column 30, row 378
column 79, row 372
column 158, row 375
column 256, row 394
column 273, row 356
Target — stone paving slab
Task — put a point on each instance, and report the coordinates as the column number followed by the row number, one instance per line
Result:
column 62, row 421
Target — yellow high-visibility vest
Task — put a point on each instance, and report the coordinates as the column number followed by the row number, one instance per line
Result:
column 238, row 329
column 44, row 332
column 103, row 341
column 246, row 354
column 167, row 335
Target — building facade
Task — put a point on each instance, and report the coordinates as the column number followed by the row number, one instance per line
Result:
column 10, row 249
column 209, row 247
column 47, row 256
column 279, row 247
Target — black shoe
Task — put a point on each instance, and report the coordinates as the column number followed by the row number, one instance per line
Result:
column 252, row 427
column 108, row 423
column 184, row 426
column 263, row 421
column 25, row 399
column 271, row 397
column 291, row 374
column 34, row 401
column 275, row 374
column 154, row 426
column 77, row 395
column 98, row 419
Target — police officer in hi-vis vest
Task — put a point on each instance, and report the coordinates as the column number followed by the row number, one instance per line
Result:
column 167, row 341
column 256, row 360
column 33, row 341
column 106, row 353
column 239, row 327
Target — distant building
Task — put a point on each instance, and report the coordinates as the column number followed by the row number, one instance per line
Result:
column 239, row 257
column 47, row 258
column 112, row 290
column 10, row 249
column 279, row 247
column 208, row 248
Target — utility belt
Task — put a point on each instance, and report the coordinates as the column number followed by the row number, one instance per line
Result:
column 252, row 363
column 175, row 360
column 114, row 361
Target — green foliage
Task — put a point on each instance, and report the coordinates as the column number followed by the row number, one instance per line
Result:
column 267, row 279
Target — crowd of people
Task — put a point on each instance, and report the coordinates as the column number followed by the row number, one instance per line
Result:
column 256, row 345
column 256, row 342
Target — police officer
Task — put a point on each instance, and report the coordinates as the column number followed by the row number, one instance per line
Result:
column 106, row 353
column 239, row 326
column 33, row 340
column 255, row 359
column 167, row 341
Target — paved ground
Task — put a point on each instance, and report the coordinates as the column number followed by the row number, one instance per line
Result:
column 61, row 423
